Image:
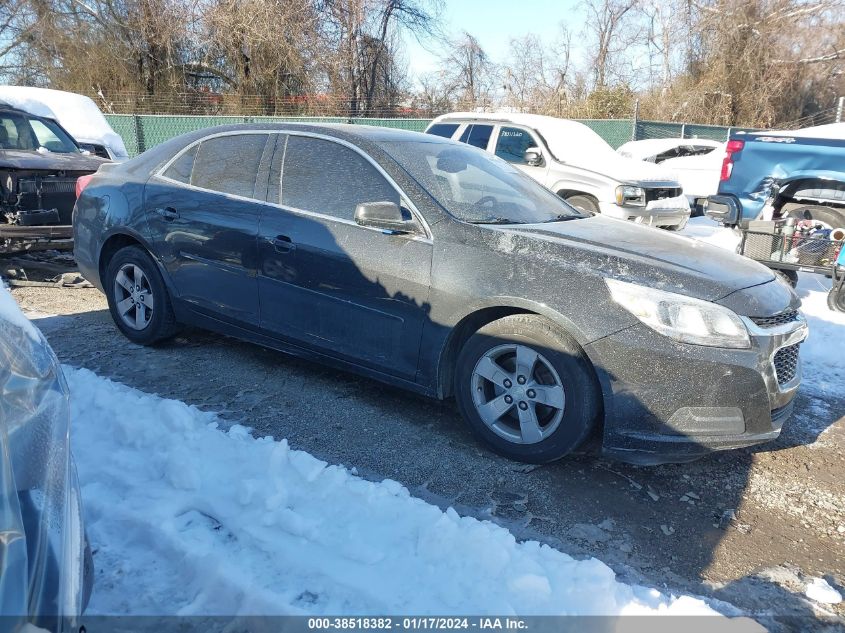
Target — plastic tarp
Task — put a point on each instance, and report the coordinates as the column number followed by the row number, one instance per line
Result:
column 42, row 541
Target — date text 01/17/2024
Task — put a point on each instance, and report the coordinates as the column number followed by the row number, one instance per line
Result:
column 411, row 623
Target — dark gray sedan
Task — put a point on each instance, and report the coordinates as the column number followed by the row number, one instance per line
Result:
column 432, row 265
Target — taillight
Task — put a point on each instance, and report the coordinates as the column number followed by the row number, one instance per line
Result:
column 734, row 147
column 81, row 183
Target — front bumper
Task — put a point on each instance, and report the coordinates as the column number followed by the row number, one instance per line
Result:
column 666, row 401
column 17, row 239
column 661, row 213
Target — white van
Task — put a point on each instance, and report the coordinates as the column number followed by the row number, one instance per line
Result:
column 574, row 162
column 76, row 113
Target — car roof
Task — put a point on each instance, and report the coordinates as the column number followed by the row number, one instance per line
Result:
column 368, row 137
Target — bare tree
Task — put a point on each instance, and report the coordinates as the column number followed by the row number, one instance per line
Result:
column 607, row 30
column 471, row 73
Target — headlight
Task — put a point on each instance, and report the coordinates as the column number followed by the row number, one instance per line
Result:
column 682, row 318
column 628, row 196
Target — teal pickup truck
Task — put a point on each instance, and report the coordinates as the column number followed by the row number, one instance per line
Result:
column 770, row 175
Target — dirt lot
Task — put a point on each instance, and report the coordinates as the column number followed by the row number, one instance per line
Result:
column 746, row 526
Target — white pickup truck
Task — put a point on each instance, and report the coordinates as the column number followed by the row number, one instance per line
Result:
column 576, row 163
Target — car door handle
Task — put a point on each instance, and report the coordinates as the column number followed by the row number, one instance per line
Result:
column 282, row 243
column 168, row 213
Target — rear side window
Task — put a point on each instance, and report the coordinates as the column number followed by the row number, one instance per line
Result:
column 512, row 144
column 477, row 135
column 442, row 129
column 229, row 164
column 329, row 178
column 181, row 168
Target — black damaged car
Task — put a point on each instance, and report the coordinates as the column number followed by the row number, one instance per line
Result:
column 39, row 166
column 433, row 265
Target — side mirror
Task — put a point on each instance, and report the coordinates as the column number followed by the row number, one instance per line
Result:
column 533, row 156
column 386, row 216
column 723, row 209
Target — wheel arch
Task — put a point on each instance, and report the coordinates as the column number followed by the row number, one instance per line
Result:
column 479, row 316
column 122, row 238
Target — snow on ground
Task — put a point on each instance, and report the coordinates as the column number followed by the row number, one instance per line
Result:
column 819, row 590
column 189, row 519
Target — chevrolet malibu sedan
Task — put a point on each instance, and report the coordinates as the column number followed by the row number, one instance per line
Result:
column 432, row 265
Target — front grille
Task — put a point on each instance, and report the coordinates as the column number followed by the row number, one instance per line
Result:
column 787, row 316
column 51, row 185
column 786, row 363
column 660, row 193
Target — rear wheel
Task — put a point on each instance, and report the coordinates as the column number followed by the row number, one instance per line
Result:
column 583, row 202
column 828, row 217
column 526, row 389
column 138, row 299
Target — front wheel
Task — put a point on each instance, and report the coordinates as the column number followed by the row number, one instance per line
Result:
column 138, row 299
column 584, row 203
column 526, row 389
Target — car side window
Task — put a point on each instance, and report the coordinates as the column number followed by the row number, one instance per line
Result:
column 180, row 169
column 442, row 129
column 229, row 164
column 512, row 144
column 326, row 177
column 477, row 135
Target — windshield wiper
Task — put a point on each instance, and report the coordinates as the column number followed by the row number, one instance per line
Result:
column 564, row 218
column 493, row 221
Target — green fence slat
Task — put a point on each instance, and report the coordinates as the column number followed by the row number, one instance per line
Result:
column 143, row 131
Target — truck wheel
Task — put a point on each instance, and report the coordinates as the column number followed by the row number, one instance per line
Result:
column 828, row 216
column 583, row 202
column 527, row 389
column 836, row 300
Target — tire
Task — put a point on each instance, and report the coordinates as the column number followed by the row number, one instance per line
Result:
column 584, row 202
column 836, row 300
column 155, row 324
column 677, row 227
column 789, row 276
column 561, row 374
column 833, row 218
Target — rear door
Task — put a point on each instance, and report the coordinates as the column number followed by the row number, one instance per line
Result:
column 354, row 292
column 202, row 216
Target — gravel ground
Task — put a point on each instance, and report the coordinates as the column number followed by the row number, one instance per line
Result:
column 748, row 527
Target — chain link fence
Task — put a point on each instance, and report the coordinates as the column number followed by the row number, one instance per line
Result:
column 140, row 132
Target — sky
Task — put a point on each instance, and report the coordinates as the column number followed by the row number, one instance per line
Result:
column 494, row 23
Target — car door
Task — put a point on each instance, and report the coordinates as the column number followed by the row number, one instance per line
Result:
column 202, row 216
column 511, row 142
column 477, row 134
column 355, row 292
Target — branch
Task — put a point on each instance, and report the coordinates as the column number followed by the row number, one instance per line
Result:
column 840, row 54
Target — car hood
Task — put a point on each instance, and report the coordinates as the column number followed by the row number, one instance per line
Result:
column 643, row 255
column 624, row 169
column 20, row 159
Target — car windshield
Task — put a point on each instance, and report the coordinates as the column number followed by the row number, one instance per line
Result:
column 476, row 187
column 31, row 133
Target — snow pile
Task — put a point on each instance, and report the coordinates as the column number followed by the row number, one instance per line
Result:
column 189, row 519
column 820, row 591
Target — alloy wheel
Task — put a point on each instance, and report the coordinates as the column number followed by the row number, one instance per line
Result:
column 518, row 394
column 133, row 296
